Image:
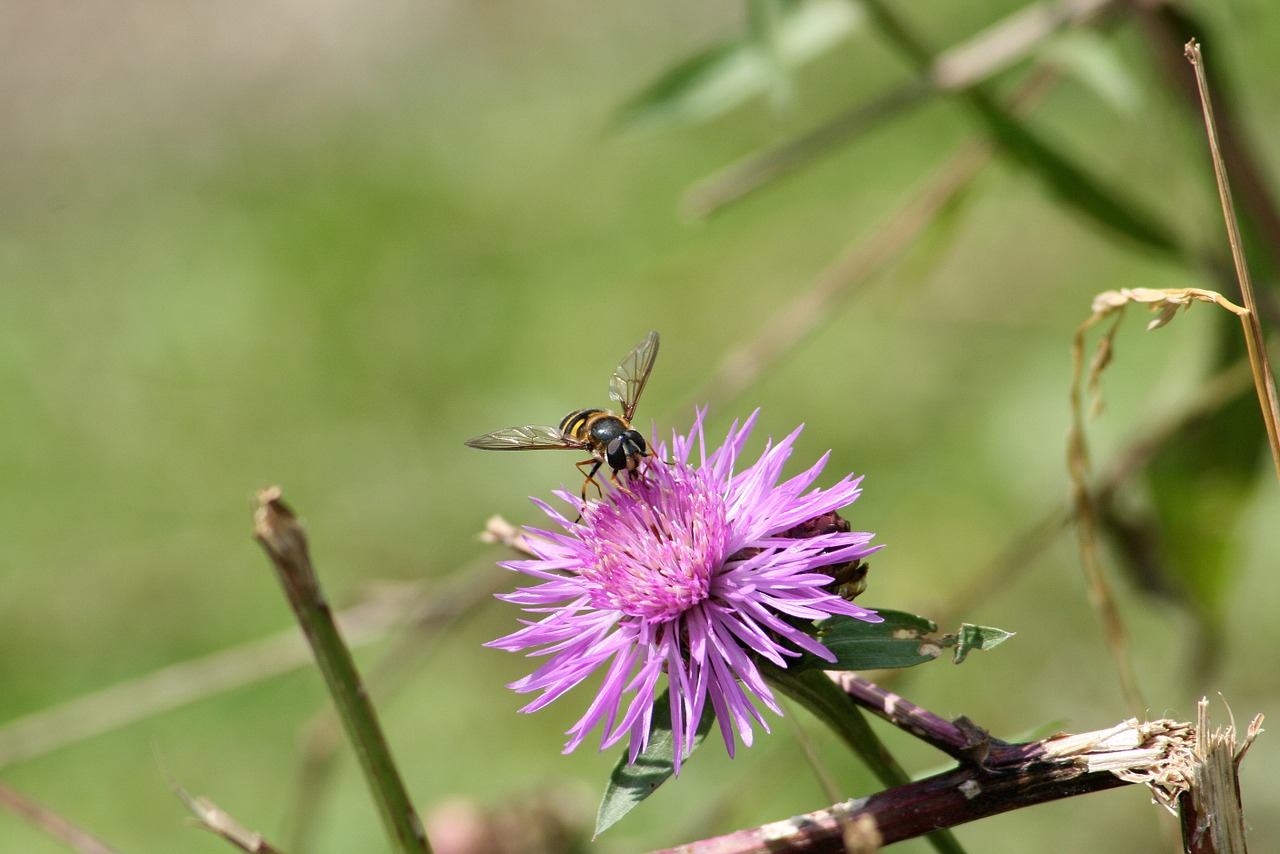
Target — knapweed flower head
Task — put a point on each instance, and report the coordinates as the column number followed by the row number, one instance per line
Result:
column 686, row 572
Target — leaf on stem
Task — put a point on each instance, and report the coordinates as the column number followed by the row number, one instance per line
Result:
column 902, row 640
column 631, row 783
column 981, row 638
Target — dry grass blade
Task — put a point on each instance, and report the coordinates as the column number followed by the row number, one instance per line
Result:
column 855, row 266
column 1166, row 25
column 183, row 683
column 499, row 531
column 212, row 818
column 1262, row 375
column 1111, row 304
column 52, row 823
column 999, row 572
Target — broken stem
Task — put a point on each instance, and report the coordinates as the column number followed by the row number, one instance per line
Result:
column 285, row 542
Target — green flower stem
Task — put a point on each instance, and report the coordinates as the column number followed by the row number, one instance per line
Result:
column 815, row 690
column 281, row 535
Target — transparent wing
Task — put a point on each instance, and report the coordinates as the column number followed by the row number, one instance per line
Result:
column 629, row 379
column 530, row 438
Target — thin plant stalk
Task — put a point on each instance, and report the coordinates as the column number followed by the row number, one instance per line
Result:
column 282, row 537
column 1101, row 597
column 54, row 825
column 433, row 617
column 856, row 265
column 1263, row 380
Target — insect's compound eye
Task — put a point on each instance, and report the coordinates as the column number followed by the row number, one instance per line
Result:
column 637, row 442
column 626, row 451
column 616, row 453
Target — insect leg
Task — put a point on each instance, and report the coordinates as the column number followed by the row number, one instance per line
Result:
column 613, row 478
column 591, row 477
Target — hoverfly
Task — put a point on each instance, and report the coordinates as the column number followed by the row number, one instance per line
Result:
column 607, row 436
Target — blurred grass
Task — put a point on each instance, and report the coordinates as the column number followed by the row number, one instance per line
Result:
column 320, row 247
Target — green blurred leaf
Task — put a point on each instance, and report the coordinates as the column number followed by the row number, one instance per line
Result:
column 1199, row 484
column 1088, row 57
column 827, row 702
column 764, row 18
column 1071, row 184
column 629, row 784
column 781, row 35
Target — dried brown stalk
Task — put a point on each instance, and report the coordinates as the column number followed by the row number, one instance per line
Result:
column 212, row 818
column 994, row 777
column 1263, row 380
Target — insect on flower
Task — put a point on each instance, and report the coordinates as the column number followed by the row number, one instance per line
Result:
column 706, row 567
column 606, row 435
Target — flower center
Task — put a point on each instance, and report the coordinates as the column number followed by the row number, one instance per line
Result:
column 655, row 549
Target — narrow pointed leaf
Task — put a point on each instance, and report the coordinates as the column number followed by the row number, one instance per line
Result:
column 629, row 784
column 902, row 640
column 1070, row 183
column 971, row 637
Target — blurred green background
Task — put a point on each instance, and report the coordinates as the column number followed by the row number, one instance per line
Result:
column 319, row 245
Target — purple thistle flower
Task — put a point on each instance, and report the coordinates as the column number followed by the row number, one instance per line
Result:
column 655, row 579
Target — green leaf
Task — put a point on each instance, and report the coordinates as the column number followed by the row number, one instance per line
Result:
column 902, row 640
column 780, row 37
column 1095, row 62
column 1200, row 485
column 629, row 784
column 700, row 88
column 971, row 637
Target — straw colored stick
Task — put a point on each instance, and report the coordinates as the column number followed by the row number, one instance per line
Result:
column 1263, row 380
